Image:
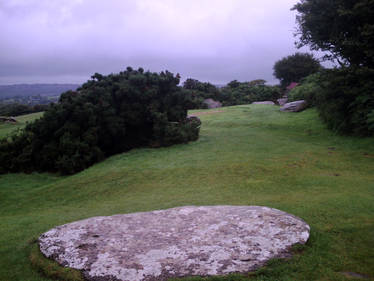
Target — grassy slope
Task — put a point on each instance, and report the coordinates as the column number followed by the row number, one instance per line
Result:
column 246, row 155
column 6, row 128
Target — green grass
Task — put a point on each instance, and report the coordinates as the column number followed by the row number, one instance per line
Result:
column 246, row 155
column 7, row 128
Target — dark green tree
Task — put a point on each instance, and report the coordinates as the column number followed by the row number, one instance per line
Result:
column 233, row 84
column 199, row 91
column 295, row 67
column 344, row 28
column 257, row 82
column 107, row 115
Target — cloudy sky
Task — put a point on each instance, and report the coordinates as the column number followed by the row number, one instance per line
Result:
column 63, row 41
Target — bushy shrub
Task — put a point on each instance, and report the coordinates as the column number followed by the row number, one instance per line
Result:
column 107, row 115
column 200, row 91
column 307, row 90
column 346, row 100
column 15, row 109
column 236, row 93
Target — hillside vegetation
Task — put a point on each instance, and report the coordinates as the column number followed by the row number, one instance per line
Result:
column 246, row 155
column 7, row 128
column 107, row 115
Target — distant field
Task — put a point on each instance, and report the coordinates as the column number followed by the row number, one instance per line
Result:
column 246, row 155
column 6, row 128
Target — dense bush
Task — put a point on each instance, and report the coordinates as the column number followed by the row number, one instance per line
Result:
column 307, row 90
column 15, row 109
column 199, row 91
column 346, row 100
column 234, row 93
column 247, row 92
column 107, row 115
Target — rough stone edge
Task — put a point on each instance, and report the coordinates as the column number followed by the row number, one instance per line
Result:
column 187, row 206
column 285, row 254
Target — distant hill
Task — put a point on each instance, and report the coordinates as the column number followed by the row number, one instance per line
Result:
column 26, row 90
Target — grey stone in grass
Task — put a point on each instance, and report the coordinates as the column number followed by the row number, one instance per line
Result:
column 211, row 103
column 184, row 241
column 294, row 106
column 282, row 101
column 264, row 102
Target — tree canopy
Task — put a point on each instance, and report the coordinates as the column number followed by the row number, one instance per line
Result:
column 345, row 28
column 295, row 67
column 107, row 115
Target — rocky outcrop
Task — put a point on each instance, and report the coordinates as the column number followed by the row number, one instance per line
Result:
column 211, row 103
column 282, row 101
column 177, row 242
column 8, row 119
column 264, row 102
column 294, row 106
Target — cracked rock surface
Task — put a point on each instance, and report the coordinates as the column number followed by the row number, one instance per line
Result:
column 183, row 241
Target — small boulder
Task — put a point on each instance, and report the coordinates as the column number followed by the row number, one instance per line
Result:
column 8, row 119
column 211, row 103
column 282, row 101
column 264, row 102
column 295, row 106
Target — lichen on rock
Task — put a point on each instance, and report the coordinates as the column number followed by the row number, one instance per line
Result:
column 177, row 242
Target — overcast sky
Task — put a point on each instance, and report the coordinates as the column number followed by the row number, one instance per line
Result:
column 45, row 41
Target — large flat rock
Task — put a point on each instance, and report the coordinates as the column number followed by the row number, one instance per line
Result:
column 177, row 242
column 295, row 106
column 263, row 102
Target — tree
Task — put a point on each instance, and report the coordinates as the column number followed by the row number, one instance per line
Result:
column 257, row 82
column 233, row 84
column 345, row 28
column 107, row 115
column 295, row 67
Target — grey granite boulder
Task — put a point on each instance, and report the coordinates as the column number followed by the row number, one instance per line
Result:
column 294, row 106
column 211, row 103
column 8, row 119
column 263, row 102
column 282, row 101
column 177, row 242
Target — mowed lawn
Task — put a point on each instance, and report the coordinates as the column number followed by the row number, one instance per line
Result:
column 246, row 155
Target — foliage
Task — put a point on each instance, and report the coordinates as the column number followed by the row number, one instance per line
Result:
column 345, row 28
column 295, row 67
column 107, row 115
column 307, row 90
column 234, row 93
column 199, row 91
column 346, row 100
column 257, row 82
column 15, row 109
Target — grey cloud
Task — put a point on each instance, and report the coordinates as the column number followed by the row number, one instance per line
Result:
column 211, row 40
